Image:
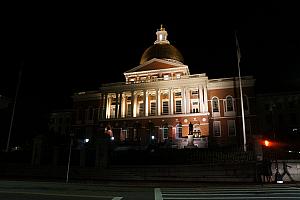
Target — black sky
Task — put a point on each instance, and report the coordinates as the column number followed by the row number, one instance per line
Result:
column 73, row 47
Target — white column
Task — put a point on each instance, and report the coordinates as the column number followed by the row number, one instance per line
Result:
column 103, row 110
column 135, row 110
column 124, row 105
column 117, row 105
column 205, row 99
column 108, row 106
column 158, row 101
column 201, row 105
column 184, row 100
column 188, row 100
column 171, row 101
column 145, row 103
column 132, row 103
column 120, row 106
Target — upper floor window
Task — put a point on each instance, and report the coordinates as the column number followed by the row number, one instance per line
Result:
column 177, row 94
column 229, row 104
column 152, row 107
column 165, row 107
column 178, row 106
column 215, row 104
column 194, row 92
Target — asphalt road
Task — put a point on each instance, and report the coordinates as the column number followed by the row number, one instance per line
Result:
column 34, row 190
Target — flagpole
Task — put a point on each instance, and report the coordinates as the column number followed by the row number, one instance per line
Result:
column 241, row 92
column 14, row 107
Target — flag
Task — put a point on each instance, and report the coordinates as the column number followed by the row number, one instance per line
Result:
column 238, row 51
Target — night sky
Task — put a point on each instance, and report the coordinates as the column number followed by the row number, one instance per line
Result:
column 74, row 47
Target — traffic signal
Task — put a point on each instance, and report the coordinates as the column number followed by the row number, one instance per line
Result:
column 267, row 143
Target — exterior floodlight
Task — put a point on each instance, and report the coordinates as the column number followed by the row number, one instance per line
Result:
column 112, row 138
column 152, row 137
column 86, row 140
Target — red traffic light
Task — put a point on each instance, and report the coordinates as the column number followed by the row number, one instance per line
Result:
column 267, row 143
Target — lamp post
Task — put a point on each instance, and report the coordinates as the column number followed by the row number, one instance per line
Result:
column 69, row 159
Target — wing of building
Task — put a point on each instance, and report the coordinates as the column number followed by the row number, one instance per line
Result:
column 160, row 98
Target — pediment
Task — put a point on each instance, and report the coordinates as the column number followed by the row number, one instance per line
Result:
column 155, row 64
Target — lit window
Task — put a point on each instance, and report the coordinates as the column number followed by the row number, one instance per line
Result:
column 179, row 130
column 229, row 104
column 165, row 131
column 152, row 108
column 215, row 104
column 178, row 106
column 166, row 77
column 165, row 107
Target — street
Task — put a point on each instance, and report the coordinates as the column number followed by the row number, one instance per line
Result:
column 33, row 190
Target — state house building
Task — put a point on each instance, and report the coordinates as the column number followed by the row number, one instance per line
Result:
column 160, row 99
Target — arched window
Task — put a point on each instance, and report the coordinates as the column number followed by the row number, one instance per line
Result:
column 229, row 104
column 179, row 130
column 215, row 104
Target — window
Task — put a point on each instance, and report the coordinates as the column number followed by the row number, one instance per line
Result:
column 215, row 104
column 194, row 92
column 165, row 131
column 178, row 76
column 141, row 108
column 129, row 111
column 124, row 135
column 152, row 108
column 217, row 128
column 177, row 94
column 179, row 130
column 178, row 106
column 195, row 106
column 245, row 103
column 229, row 104
column 165, row 107
column 166, row 77
column 231, row 127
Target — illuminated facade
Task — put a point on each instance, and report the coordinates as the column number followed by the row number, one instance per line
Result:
column 160, row 98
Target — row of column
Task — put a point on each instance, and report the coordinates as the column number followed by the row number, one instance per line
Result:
column 121, row 109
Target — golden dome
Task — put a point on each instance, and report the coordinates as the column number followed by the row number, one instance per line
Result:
column 161, row 51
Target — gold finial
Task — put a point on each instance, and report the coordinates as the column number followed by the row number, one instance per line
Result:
column 161, row 28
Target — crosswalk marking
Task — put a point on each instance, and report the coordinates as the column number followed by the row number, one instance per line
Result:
column 247, row 192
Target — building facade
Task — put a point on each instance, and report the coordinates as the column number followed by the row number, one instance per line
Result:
column 160, row 102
